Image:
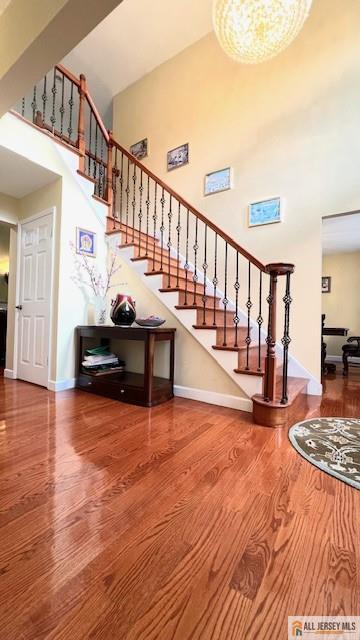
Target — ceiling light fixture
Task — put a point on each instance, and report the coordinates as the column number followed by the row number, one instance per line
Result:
column 252, row 31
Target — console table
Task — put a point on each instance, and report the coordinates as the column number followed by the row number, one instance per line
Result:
column 329, row 367
column 135, row 388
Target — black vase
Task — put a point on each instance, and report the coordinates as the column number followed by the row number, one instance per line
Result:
column 123, row 311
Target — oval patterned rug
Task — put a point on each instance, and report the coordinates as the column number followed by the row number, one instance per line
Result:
column 332, row 444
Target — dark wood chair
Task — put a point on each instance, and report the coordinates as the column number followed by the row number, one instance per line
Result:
column 351, row 350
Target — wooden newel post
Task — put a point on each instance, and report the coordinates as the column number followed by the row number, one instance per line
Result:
column 81, row 123
column 109, row 175
column 274, row 270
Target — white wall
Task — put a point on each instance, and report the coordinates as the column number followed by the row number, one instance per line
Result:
column 289, row 127
column 73, row 208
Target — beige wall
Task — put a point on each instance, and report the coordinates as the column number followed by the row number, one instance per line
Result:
column 190, row 357
column 8, row 209
column 342, row 304
column 289, row 127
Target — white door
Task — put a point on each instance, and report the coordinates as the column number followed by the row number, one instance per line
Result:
column 34, row 300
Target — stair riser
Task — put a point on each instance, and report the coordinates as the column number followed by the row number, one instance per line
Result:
column 192, row 298
column 130, row 232
column 220, row 317
column 253, row 358
column 230, row 336
column 183, row 282
column 151, row 263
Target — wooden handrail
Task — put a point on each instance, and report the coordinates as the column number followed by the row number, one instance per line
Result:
column 70, row 76
column 187, row 205
column 97, row 116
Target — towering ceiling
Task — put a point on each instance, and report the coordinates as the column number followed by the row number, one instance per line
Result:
column 135, row 38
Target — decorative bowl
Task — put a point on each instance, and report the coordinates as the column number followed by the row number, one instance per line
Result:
column 151, row 321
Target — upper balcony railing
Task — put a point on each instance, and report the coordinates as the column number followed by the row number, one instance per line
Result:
column 220, row 278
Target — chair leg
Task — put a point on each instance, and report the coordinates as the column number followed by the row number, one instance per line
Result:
column 346, row 365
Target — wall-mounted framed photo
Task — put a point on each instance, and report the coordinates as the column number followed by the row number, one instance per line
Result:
column 178, row 157
column 325, row 284
column 86, row 242
column 140, row 149
column 265, row 212
column 218, row 181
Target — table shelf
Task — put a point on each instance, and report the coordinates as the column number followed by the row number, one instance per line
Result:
column 143, row 389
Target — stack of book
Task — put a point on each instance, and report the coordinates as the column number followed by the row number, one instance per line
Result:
column 100, row 361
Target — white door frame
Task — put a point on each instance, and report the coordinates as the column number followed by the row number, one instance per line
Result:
column 36, row 216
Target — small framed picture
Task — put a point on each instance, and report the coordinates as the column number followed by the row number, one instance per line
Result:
column 86, row 242
column 265, row 212
column 178, row 157
column 217, row 181
column 326, row 284
column 140, row 149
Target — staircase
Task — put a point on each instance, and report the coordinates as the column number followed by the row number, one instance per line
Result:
column 230, row 302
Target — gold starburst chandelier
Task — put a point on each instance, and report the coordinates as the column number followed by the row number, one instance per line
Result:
column 253, row 31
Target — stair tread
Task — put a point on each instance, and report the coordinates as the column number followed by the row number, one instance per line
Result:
column 183, row 290
column 296, row 386
column 250, row 372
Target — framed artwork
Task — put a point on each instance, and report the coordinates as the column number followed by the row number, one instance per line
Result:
column 265, row 212
column 326, row 284
column 140, row 149
column 86, row 242
column 217, row 181
column 178, row 157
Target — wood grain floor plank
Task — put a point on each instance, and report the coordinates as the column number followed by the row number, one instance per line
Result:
column 182, row 522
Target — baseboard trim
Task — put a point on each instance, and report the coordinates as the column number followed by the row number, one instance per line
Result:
column 10, row 373
column 61, row 385
column 211, row 397
column 339, row 359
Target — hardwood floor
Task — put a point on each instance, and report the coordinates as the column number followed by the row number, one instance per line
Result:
column 182, row 522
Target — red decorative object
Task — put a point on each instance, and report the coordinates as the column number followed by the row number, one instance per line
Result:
column 123, row 311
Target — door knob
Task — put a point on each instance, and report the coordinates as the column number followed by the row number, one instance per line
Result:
column 18, row 306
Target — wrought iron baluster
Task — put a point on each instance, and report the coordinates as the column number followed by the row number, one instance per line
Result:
column 90, row 141
column 186, row 265
column 286, row 341
column 162, row 228
column 101, row 169
column 62, row 108
column 44, row 99
column 71, row 105
column 147, row 203
column 178, row 230
column 248, row 306
column 259, row 321
column 225, row 300
column 34, row 104
column 205, row 267
column 133, row 202
column 155, row 220
column 95, row 155
column 127, row 191
column 215, row 278
column 54, row 92
column 105, row 170
column 169, row 241
column 196, row 248
column 140, row 214
column 121, row 182
column 237, row 289
column 115, row 173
